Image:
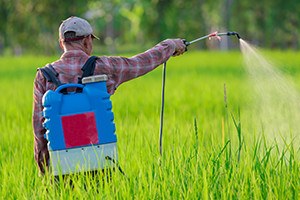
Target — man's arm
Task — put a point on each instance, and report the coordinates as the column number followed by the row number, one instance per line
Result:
column 41, row 153
column 124, row 69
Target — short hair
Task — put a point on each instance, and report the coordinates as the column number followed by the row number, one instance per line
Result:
column 70, row 37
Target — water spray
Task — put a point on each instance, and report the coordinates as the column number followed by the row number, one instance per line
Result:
column 211, row 35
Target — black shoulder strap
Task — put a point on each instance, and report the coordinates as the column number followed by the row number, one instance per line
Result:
column 88, row 68
column 50, row 74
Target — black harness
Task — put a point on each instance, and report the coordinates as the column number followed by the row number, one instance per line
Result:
column 52, row 76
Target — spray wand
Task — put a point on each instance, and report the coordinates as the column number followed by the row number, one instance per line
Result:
column 211, row 35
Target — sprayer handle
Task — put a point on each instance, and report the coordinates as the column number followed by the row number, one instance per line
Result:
column 186, row 43
column 62, row 88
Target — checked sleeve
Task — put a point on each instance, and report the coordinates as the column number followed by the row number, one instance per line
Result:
column 123, row 69
column 41, row 153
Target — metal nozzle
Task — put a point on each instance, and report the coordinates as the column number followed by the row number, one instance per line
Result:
column 234, row 33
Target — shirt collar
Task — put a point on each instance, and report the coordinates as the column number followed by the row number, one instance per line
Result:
column 73, row 53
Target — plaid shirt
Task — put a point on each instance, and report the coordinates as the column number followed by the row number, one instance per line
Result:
column 118, row 70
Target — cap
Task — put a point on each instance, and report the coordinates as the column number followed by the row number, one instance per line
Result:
column 81, row 27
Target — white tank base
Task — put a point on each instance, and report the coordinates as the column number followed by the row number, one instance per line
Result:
column 83, row 159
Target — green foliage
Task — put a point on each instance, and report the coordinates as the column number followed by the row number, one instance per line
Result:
column 196, row 163
column 32, row 25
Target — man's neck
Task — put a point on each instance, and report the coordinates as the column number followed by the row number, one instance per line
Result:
column 74, row 46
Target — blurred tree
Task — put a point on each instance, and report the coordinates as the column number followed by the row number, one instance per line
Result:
column 103, row 15
column 133, row 14
column 226, row 19
column 269, row 23
column 33, row 24
column 284, row 24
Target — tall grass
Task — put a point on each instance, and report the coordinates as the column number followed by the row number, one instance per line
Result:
column 207, row 154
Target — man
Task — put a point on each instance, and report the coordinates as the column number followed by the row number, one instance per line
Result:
column 76, row 40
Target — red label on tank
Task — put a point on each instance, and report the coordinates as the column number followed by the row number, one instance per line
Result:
column 80, row 129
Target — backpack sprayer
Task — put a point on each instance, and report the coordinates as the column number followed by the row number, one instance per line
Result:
column 79, row 123
column 211, row 35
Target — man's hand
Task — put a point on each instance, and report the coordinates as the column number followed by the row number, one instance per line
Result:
column 180, row 47
column 43, row 160
column 41, row 154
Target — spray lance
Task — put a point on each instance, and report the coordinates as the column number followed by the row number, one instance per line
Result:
column 211, row 35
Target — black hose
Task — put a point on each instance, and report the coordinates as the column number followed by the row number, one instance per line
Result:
column 162, row 107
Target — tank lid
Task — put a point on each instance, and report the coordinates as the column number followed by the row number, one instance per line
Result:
column 93, row 79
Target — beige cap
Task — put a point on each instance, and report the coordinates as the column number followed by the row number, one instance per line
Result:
column 81, row 27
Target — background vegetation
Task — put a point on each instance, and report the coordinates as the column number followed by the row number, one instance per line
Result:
column 212, row 149
column 32, row 25
column 204, row 154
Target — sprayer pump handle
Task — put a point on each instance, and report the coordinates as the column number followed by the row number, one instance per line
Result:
column 186, row 42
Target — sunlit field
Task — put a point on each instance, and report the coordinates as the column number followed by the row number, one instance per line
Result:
column 213, row 147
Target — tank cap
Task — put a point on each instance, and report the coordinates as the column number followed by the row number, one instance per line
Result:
column 93, row 79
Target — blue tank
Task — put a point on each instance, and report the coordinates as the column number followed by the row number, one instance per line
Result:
column 79, row 117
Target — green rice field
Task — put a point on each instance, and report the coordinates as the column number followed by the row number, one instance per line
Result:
column 214, row 146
